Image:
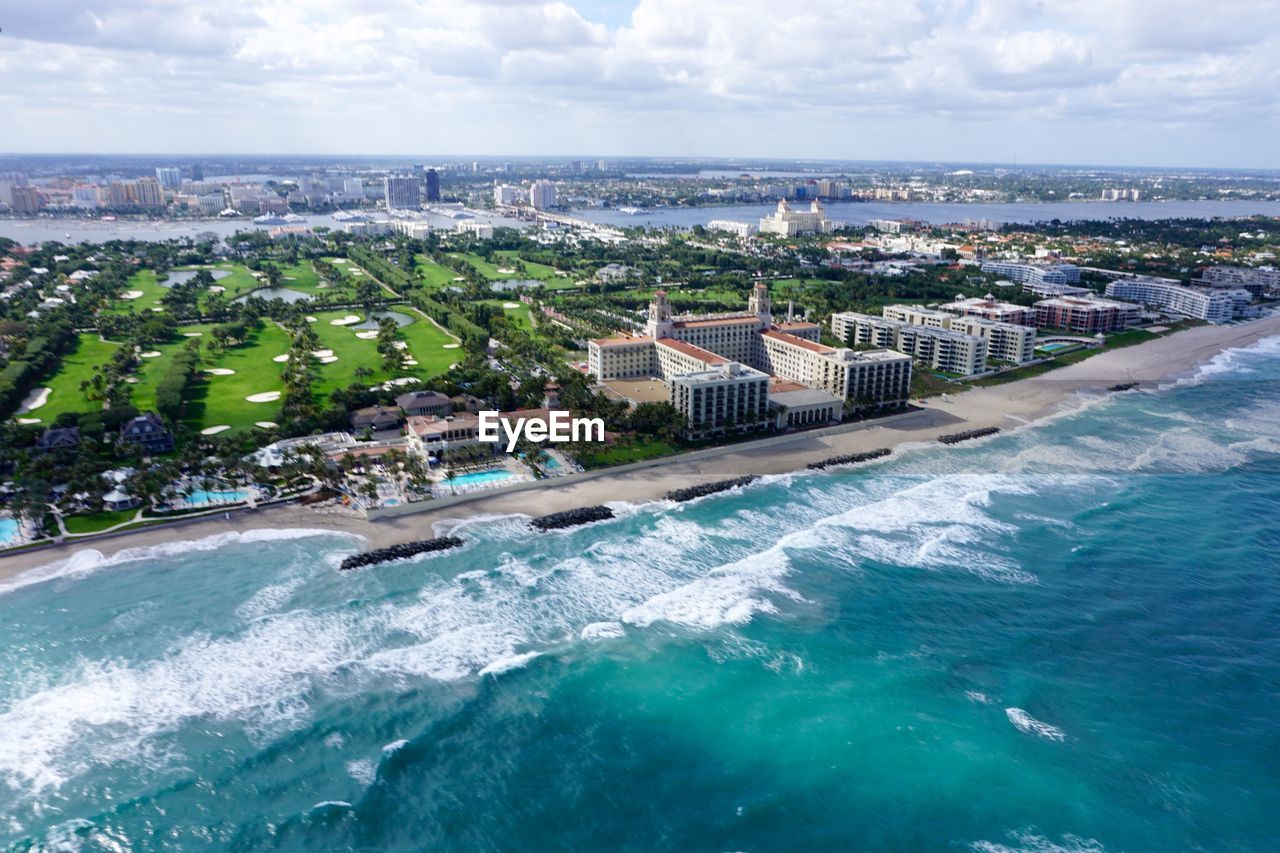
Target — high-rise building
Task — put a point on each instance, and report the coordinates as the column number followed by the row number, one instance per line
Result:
column 26, row 200
column 143, row 192
column 170, row 177
column 506, row 195
column 433, row 185
column 402, row 193
column 197, row 172
column 542, row 195
column 86, row 196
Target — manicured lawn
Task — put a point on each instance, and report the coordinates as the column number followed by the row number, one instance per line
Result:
column 433, row 275
column 66, row 395
column 216, row 400
column 94, row 522
column 152, row 290
column 626, row 450
column 506, row 260
column 518, row 314
column 425, row 345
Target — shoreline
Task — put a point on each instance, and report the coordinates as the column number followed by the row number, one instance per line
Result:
column 1016, row 404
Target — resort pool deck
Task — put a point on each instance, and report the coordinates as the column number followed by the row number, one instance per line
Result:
column 478, row 478
column 207, row 498
column 10, row 532
column 1056, row 347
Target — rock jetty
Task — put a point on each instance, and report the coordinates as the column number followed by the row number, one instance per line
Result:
column 682, row 495
column 1124, row 386
column 957, row 437
column 399, row 552
column 572, row 517
column 849, row 459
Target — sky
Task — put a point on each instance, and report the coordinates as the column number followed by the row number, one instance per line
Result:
column 1115, row 82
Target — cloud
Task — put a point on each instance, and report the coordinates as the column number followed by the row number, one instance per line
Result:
column 808, row 77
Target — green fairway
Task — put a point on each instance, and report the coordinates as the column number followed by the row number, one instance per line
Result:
column 433, row 275
column 518, row 315
column 424, row 343
column 65, row 394
column 144, row 282
column 217, row 400
column 504, row 268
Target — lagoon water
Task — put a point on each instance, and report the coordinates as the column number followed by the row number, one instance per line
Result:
column 1064, row 637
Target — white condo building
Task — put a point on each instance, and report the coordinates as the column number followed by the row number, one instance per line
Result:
column 1216, row 305
column 936, row 348
column 728, row 357
column 542, row 195
column 1009, row 342
column 786, row 222
column 740, row 229
column 505, row 195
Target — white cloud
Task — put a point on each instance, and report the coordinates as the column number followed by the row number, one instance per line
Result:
column 869, row 79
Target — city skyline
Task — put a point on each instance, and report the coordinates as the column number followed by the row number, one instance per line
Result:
column 990, row 82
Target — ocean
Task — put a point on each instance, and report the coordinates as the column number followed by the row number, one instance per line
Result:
column 1066, row 637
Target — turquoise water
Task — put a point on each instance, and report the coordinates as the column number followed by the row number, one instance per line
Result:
column 1061, row 638
column 479, row 477
column 1053, row 347
column 8, row 531
column 200, row 497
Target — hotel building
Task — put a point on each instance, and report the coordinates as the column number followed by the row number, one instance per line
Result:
column 786, row 222
column 1255, row 280
column 717, row 369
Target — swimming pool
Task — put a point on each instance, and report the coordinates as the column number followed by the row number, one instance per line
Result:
column 476, row 478
column 9, row 531
column 201, row 497
column 552, row 464
column 1055, row 347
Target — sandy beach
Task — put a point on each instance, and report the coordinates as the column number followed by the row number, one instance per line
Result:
column 1009, row 406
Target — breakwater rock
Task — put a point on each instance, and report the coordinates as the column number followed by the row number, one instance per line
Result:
column 849, row 459
column 399, row 552
column 681, row 495
column 1124, row 386
column 572, row 517
column 957, row 437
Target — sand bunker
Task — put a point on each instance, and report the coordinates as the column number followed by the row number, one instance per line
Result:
column 132, row 380
column 399, row 344
column 34, row 400
column 367, row 335
column 349, row 320
column 511, row 305
column 506, row 270
column 150, row 354
column 220, row 371
column 452, row 346
column 281, row 359
column 28, row 421
column 411, row 362
column 192, row 334
column 266, row 424
column 328, row 359
column 311, row 319
column 322, row 353
column 217, row 288
column 131, row 294
column 214, row 430
column 264, row 397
